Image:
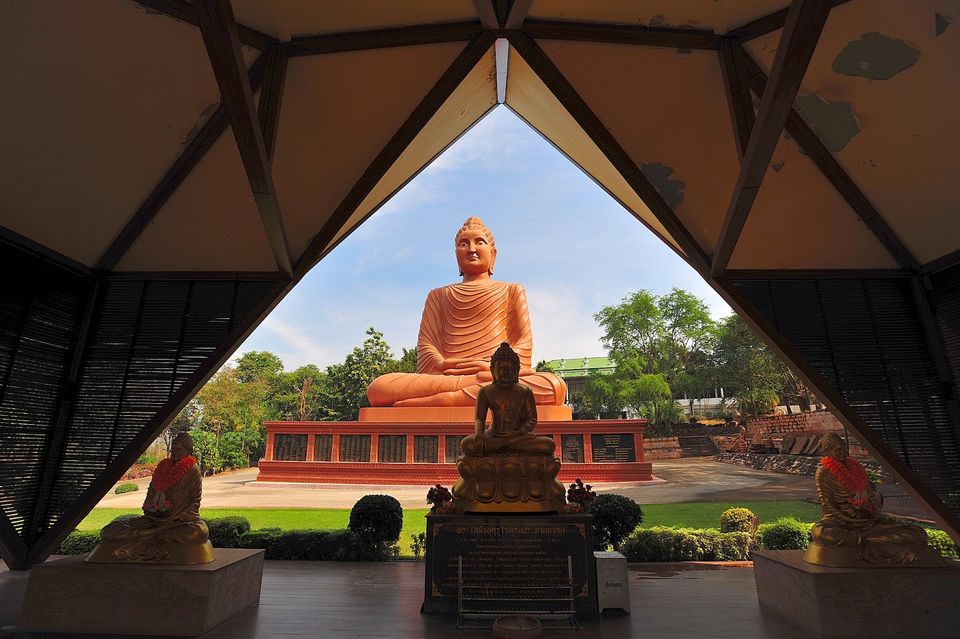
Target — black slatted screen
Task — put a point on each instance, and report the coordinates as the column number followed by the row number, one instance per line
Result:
column 866, row 339
column 41, row 306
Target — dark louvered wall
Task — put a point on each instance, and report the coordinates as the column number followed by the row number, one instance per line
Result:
column 41, row 305
column 865, row 337
column 148, row 338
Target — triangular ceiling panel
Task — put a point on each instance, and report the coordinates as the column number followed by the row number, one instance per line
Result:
column 862, row 95
column 666, row 108
column 799, row 221
column 339, row 111
column 98, row 101
column 291, row 18
column 692, row 14
column 210, row 223
column 530, row 99
column 469, row 102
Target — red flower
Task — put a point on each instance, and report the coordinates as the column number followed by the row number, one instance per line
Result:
column 853, row 477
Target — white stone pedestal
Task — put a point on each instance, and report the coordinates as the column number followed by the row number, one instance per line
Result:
column 877, row 603
column 71, row 596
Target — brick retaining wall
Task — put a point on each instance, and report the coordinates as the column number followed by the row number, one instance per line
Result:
column 661, row 448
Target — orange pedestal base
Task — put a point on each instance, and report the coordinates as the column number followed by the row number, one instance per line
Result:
column 449, row 414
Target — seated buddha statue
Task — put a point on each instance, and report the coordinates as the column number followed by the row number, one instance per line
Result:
column 170, row 530
column 461, row 326
column 507, row 468
column 852, row 532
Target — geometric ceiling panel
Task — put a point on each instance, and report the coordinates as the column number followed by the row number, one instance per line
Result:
column 533, row 102
column 694, row 14
column 284, row 20
column 99, row 99
column 339, row 110
column 800, row 221
column 875, row 65
column 666, row 108
column 475, row 96
column 210, row 223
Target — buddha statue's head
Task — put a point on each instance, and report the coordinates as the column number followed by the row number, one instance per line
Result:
column 505, row 366
column 476, row 250
column 182, row 446
column 833, row 445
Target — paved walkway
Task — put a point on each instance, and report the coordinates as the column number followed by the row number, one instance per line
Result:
column 685, row 480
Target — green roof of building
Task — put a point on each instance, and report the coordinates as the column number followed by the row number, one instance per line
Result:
column 581, row 366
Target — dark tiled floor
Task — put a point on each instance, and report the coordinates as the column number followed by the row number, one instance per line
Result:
column 338, row 600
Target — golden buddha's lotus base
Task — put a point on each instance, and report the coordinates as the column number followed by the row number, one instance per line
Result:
column 508, row 483
column 112, row 552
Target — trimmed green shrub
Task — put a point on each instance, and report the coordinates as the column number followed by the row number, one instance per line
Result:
column 225, row 532
column 786, row 533
column 128, row 487
column 662, row 543
column 260, row 538
column 377, row 519
column 79, row 542
column 942, row 543
column 614, row 517
column 739, row 520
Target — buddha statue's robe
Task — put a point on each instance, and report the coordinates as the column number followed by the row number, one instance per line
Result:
column 466, row 321
column 512, row 427
column 849, row 534
column 175, row 534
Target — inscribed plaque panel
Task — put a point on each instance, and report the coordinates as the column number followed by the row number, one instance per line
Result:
column 322, row 447
column 452, row 451
column 571, row 449
column 425, row 449
column 290, row 447
column 392, row 449
column 355, row 448
column 612, row 449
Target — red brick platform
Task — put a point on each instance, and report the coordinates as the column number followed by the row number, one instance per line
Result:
column 426, row 453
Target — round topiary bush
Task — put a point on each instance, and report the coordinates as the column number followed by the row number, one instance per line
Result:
column 739, row 520
column 128, row 487
column 786, row 533
column 614, row 517
column 377, row 518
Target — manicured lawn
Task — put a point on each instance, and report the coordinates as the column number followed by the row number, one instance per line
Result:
column 707, row 514
column 690, row 515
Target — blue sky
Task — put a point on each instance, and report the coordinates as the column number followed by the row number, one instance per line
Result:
column 573, row 247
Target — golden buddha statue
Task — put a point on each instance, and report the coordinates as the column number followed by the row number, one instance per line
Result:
column 852, row 532
column 170, row 530
column 461, row 325
column 507, row 468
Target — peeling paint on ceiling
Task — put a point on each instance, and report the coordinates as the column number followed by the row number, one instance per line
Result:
column 671, row 190
column 875, row 56
column 833, row 122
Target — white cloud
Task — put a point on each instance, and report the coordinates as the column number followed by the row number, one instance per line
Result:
column 562, row 328
column 296, row 345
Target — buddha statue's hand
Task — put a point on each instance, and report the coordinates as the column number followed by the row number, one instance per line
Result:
column 461, row 366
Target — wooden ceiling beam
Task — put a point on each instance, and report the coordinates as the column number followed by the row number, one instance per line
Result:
column 435, row 98
column 223, row 47
column 184, row 11
column 384, row 38
column 941, row 263
column 800, row 35
column 739, row 98
column 517, row 14
column 817, row 274
column 620, row 34
column 767, row 24
column 271, row 96
column 561, row 88
column 810, row 143
column 487, row 13
column 46, row 253
column 12, row 549
column 197, row 148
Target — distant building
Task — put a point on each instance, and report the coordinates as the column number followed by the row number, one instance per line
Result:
column 575, row 371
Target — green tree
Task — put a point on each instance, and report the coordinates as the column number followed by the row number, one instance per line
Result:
column 749, row 370
column 600, row 397
column 255, row 365
column 297, row 395
column 344, row 391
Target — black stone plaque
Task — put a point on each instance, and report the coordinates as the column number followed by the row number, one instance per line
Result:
column 290, row 447
column 392, row 449
column 354, row 448
column 519, row 562
column 322, row 446
column 425, row 449
column 613, row 448
column 571, row 449
column 452, row 450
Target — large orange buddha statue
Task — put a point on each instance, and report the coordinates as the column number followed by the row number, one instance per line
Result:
column 462, row 325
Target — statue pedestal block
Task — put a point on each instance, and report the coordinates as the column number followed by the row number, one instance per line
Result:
column 70, row 596
column 510, row 556
column 879, row 603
